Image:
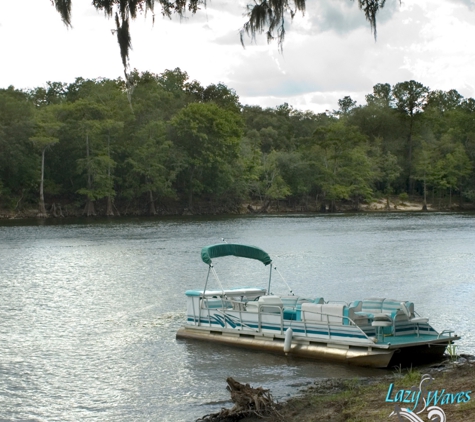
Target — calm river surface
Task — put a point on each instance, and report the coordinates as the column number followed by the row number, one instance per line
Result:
column 89, row 310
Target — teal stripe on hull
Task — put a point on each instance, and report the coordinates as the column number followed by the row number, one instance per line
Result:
column 334, row 332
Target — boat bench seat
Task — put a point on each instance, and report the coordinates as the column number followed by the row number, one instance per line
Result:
column 338, row 314
column 216, row 303
column 326, row 313
column 289, row 302
column 377, row 306
column 290, row 314
column 267, row 304
column 317, row 300
column 380, row 308
column 292, row 305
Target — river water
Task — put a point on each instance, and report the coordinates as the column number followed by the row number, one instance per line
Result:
column 89, row 309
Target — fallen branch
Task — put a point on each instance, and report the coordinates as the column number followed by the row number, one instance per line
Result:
column 247, row 401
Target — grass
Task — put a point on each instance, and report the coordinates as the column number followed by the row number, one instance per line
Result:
column 356, row 400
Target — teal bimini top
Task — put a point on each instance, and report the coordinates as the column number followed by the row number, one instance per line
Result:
column 226, row 249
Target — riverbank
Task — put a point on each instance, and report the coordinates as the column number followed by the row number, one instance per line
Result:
column 381, row 205
column 373, row 399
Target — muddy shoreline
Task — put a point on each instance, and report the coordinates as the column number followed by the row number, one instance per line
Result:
column 381, row 205
column 369, row 399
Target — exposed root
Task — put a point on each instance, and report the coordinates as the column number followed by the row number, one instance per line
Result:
column 247, row 401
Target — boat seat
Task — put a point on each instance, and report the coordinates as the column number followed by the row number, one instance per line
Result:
column 371, row 306
column 326, row 313
column 290, row 314
column 317, row 300
column 374, row 306
column 412, row 317
column 380, row 326
column 216, row 303
column 289, row 302
column 310, row 312
column 270, row 304
column 289, row 307
column 351, row 314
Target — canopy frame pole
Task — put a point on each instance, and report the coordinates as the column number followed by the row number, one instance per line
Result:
column 217, row 278
column 270, row 276
column 283, row 279
column 207, row 278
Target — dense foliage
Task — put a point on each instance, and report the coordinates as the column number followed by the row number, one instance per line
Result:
column 179, row 146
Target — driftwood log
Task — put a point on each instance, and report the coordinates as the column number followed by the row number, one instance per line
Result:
column 247, row 401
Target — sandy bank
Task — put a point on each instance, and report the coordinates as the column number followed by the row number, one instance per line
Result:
column 373, row 399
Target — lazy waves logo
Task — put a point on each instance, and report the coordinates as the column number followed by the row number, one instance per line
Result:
column 412, row 404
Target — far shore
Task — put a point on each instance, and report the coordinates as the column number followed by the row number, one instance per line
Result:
column 380, row 205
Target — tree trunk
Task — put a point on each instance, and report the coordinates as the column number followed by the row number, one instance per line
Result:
column 42, row 212
column 411, row 182
column 248, row 402
column 89, row 177
column 424, row 205
column 153, row 211
column 89, row 209
column 332, row 207
column 109, row 211
column 56, row 213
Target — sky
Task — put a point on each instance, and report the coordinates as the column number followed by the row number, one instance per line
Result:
column 329, row 52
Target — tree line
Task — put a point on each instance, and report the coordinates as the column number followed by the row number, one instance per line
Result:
column 171, row 145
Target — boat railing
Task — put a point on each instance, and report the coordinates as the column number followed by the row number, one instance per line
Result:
column 238, row 306
column 241, row 322
column 203, row 303
column 448, row 333
column 260, row 312
column 329, row 325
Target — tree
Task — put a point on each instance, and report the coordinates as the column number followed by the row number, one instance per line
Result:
column 346, row 104
column 208, row 137
column 87, row 156
column 410, row 98
column 440, row 109
column 451, row 169
column 423, row 168
column 150, row 170
column 381, row 96
column 47, row 126
column 54, row 93
column 271, row 185
column 344, row 169
column 18, row 161
column 389, row 172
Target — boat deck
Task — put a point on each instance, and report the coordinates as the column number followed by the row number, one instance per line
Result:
column 410, row 339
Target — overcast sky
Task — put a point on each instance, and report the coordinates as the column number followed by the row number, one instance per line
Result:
column 328, row 53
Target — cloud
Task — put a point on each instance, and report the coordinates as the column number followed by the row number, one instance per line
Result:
column 343, row 17
column 230, row 38
column 469, row 3
column 328, row 53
